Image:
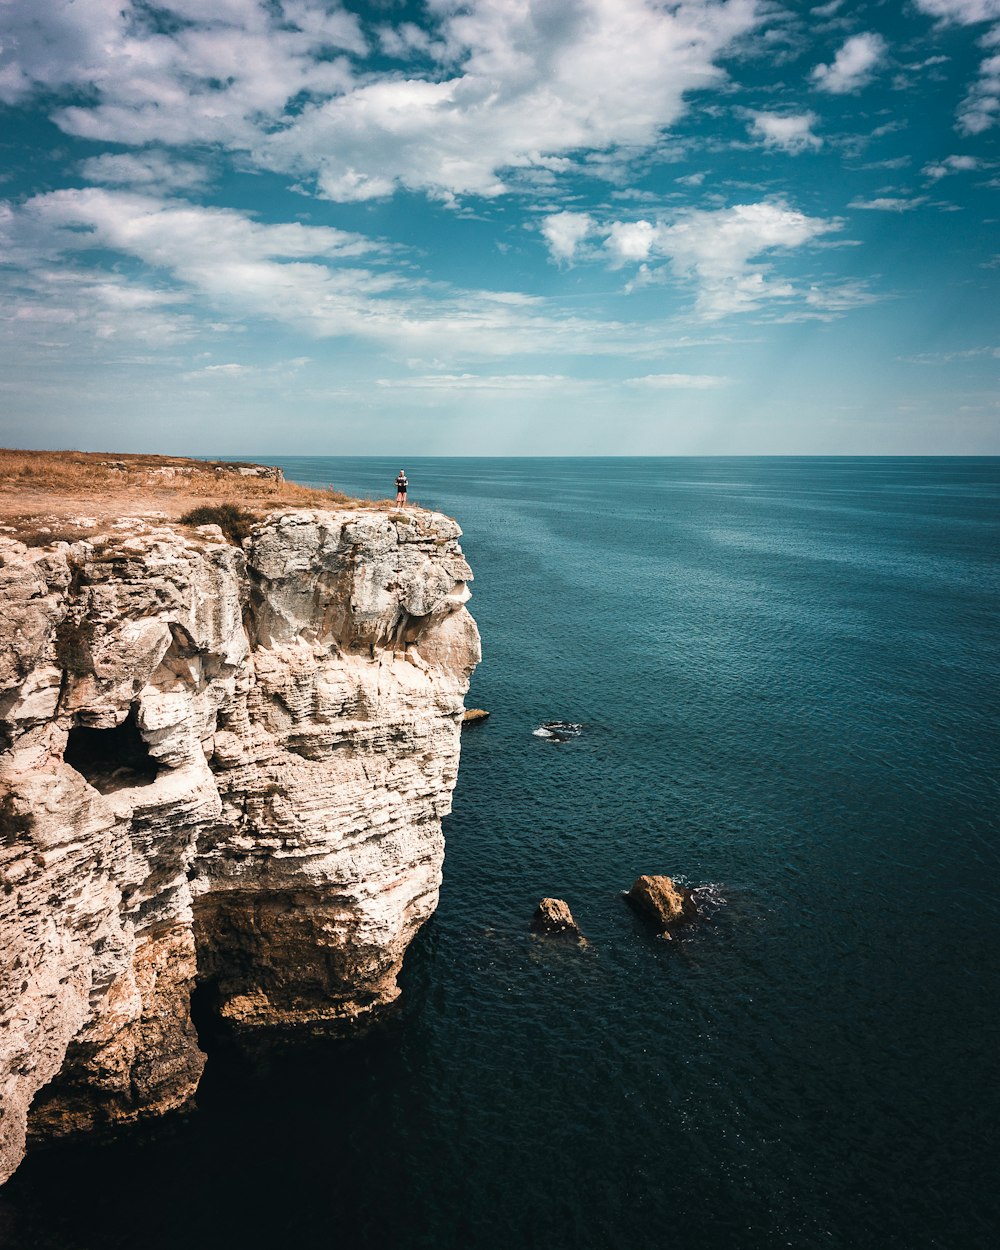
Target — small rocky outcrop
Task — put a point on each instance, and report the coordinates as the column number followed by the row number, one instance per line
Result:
column 661, row 901
column 558, row 730
column 474, row 715
column 554, row 918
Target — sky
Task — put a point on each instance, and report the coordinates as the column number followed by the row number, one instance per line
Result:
column 500, row 227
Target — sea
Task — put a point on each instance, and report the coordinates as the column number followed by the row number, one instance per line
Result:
column 785, row 677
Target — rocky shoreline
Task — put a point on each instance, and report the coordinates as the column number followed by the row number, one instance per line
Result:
column 223, row 768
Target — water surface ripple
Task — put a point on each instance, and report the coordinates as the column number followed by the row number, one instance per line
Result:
column 786, row 676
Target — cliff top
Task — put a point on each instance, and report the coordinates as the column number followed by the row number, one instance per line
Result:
column 42, row 493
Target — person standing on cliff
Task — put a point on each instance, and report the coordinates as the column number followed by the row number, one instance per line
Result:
column 401, row 485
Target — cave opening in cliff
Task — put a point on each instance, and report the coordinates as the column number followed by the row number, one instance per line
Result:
column 206, row 1015
column 111, row 758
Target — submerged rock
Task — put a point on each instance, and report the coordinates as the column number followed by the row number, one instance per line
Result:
column 663, row 902
column 553, row 916
column 558, row 730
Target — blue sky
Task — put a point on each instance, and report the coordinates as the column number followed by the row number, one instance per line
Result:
column 556, row 227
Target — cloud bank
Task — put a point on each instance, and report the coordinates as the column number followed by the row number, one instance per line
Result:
column 498, row 87
column 226, row 265
column 717, row 251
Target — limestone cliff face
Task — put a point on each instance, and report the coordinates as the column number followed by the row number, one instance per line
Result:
column 224, row 768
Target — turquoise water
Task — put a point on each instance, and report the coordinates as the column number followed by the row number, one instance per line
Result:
column 787, row 673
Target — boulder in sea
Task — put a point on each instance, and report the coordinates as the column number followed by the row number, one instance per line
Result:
column 553, row 916
column 558, row 730
column 663, row 902
column 472, row 715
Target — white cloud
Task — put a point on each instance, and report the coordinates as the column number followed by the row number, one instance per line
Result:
column 716, row 250
column 790, row 131
column 889, row 203
column 53, row 44
column 480, row 382
column 407, row 40
column 830, row 301
column 719, row 251
column 303, row 275
column 564, row 232
column 504, row 86
column 221, row 261
column 937, row 358
column 177, row 235
column 680, row 381
column 950, row 165
column 76, row 303
column 280, row 373
column 895, row 162
column 853, row 65
column 223, row 71
column 534, row 82
column 219, row 371
column 966, row 12
column 980, row 109
column 145, row 170
column 549, row 381
column 630, row 240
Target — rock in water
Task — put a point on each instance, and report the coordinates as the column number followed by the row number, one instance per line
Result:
column 558, row 730
column 554, row 917
column 473, row 715
column 658, row 899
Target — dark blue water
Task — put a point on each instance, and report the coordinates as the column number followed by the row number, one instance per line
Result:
column 787, row 671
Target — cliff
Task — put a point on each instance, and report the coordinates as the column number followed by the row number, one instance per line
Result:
column 221, row 768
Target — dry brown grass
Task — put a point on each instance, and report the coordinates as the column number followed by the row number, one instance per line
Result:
column 41, row 490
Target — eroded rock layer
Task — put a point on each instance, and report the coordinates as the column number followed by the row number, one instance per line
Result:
column 220, row 768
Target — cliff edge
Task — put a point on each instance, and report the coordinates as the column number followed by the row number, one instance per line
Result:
column 222, row 767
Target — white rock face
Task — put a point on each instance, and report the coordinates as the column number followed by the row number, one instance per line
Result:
column 220, row 767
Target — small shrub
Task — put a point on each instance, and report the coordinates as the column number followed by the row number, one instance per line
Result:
column 73, row 646
column 31, row 534
column 234, row 521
